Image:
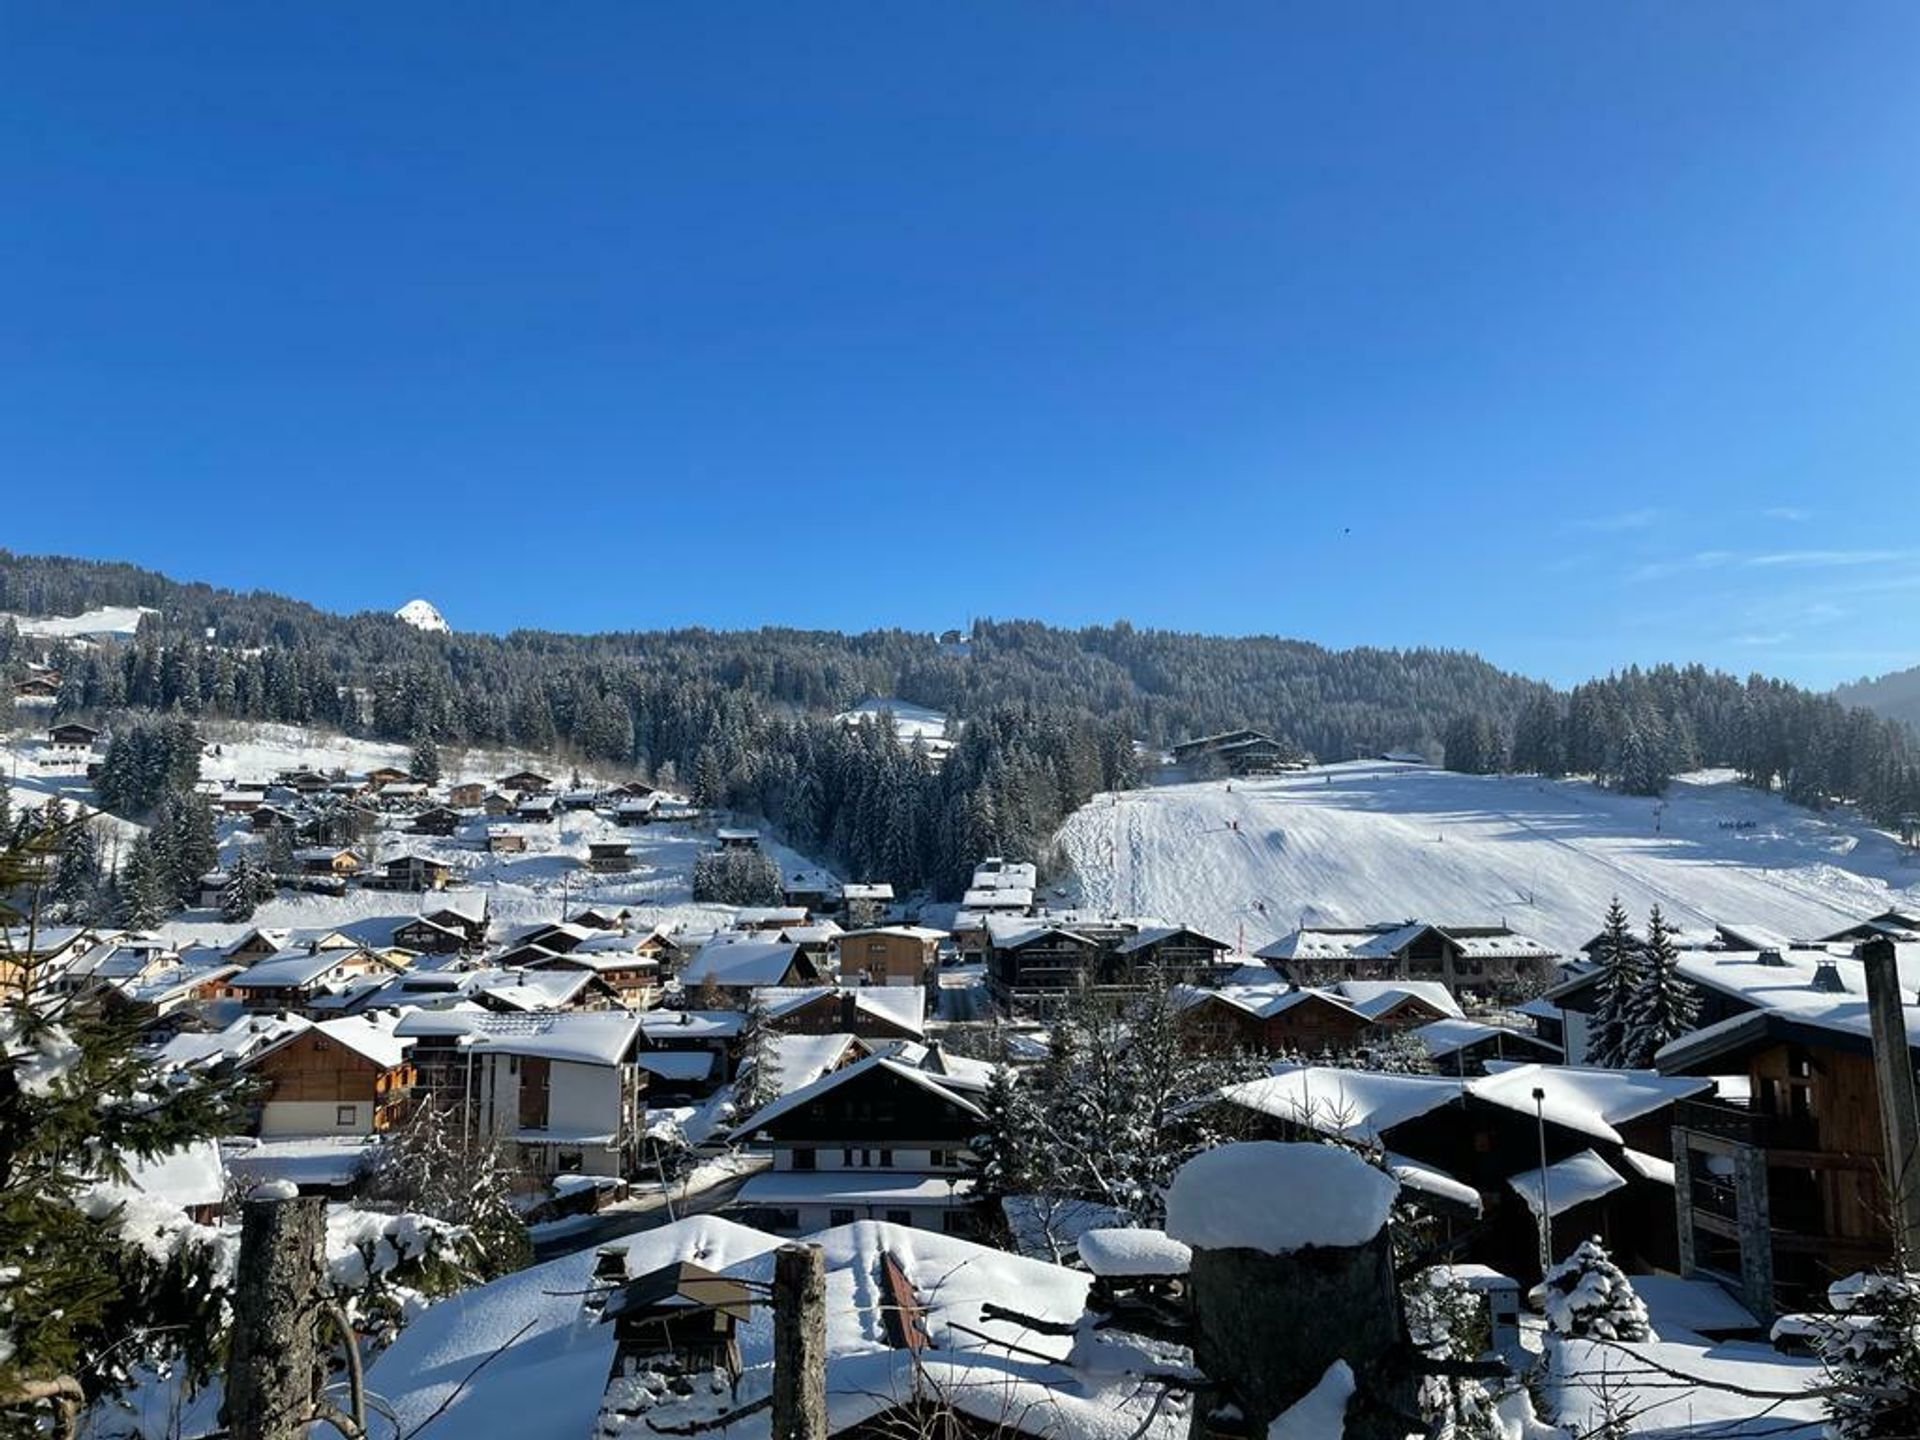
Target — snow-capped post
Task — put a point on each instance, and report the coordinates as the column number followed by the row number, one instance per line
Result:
column 1893, row 1073
column 1292, row 1292
column 1546, row 1204
column 275, row 1362
column 799, row 1343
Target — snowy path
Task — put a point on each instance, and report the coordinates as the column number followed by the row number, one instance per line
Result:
column 1373, row 841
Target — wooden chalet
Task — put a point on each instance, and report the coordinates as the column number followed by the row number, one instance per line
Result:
column 327, row 860
column 504, row 840
column 733, row 839
column 609, row 857
column 1270, row 1020
column 865, row 904
column 879, row 1140
column 71, row 735
column 526, row 782
column 384, row 775
column 869, row 1012
column 1490, row 960
column 1781, row 1194
column 441, row 820
column 429, row 937
column 415, row 872
column 890, row 955
column 1239, row 752
column 338, row 1077
column 467, row 795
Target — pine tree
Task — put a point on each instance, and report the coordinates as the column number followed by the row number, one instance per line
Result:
column 1871, row 1350
column 1664, row 1006
column 1619, row 959
column 1587, row 1295
column 756, row 1083
column 1448, row 1321
column 425, row 765
column 77, row 1103
column 146, row 898
column 432, row 1167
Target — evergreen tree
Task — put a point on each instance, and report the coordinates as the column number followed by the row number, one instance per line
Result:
column 1587, row 1295
column 1447, row 1321
column 145, row 889
column 75, row 891
column 78, row 1298
column 249, row 885
column 1620, row 963
column 432, row 1167
column 1664, row 1006
column 1871, row 1350
column 425, row 765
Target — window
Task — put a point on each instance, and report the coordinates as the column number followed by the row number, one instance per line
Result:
column 939, row 1159
column 839, row 1216
column 345, row 1114
column 805, row 1159
column 846, row 1159
column 899, row 1217
column 886, row 1159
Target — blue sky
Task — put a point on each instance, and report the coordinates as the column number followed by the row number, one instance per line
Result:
column 1576, row 334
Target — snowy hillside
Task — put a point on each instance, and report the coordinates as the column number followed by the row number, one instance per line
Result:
column 422, row 615
column 117, row 620
column 1374, row 841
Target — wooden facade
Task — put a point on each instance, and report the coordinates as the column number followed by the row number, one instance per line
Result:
column 316, row 1085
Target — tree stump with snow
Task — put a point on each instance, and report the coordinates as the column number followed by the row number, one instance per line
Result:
column 1292, row 1272
column 275, row 1361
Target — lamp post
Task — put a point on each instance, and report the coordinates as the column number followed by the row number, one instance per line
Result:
column 1546, row 1210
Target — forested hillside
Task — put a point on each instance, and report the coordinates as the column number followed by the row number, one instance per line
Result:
column 1897, row 696
column 743, row 718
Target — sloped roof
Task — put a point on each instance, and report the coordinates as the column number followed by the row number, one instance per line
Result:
column 792, row 1101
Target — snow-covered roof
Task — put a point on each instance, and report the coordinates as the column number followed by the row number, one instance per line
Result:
column 737, row 959
column 292, row 969
column 1589, row 1100
column 1570, row 1182
column 667, row 1025
column 1353, row 1104
column 855, row 1187
column 683, row 1065
column 1262, row 1001
column 1153, row 934
column 190, row 1176
column 866, row 892
column 515, row 1359
column 1131, row 1252
column 796, row 1061
column 1431, row 1180
column 1224, row 1198
column 902, row 1005
column 585, row 1037
column 370, row 1035
column 1373, row 998
column 241, row 1038
column 1445, row 1038
column 770, row 917
column 807, row 1093
column 907, row 932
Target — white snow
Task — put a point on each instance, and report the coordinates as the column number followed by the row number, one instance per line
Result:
column 422, row 615
column 1134, row 1252
column 120, row 621
column 1366, row 842
column 1320, row 1414
column 1277, row 1197
column 1570, row 1182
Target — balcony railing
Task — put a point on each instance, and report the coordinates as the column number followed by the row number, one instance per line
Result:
column 1747, row 1127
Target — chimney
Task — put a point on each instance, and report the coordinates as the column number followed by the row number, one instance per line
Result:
column 1826, row 978
column 1893, row 1075
column 1772, row 958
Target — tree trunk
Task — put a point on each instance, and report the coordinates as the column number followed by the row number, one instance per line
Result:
column 274, row 1367
column 799, row 1343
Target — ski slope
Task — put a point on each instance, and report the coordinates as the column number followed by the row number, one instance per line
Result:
column 1370, row 841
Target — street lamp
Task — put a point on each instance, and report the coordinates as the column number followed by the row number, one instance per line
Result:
column 1546, row 1209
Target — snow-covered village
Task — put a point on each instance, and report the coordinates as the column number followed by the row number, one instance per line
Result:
column 996, row 722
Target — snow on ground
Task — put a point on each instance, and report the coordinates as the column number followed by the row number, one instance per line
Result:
column 120, row 621
column 1368, row 841
column 547, row 882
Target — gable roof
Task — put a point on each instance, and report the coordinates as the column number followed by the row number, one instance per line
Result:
column 740, row 959
column 902, row 1005
column 832, row 1081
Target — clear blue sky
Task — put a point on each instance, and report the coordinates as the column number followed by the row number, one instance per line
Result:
column 1572, row 333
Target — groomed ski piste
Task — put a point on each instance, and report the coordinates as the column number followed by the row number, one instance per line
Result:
column 1252, row 859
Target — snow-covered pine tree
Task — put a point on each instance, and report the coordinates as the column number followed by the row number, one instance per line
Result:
column 1871, row 1350
column 425, row 765
column 756, row 1083
column 1619, row 959
column 143, row 883
column 76, row 1104
column 1447, row 1321
column 1588, row 1296
column 1664, row 1006
column 432, row 1167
